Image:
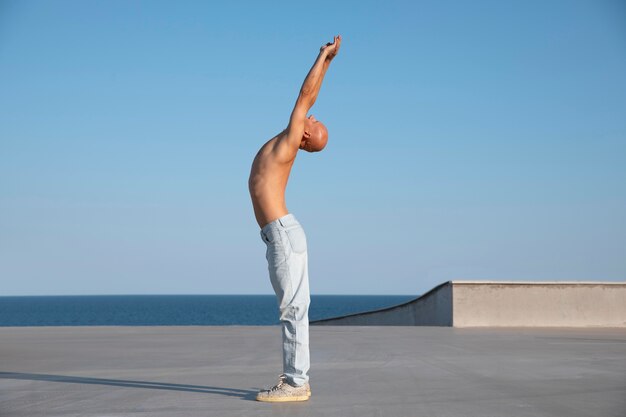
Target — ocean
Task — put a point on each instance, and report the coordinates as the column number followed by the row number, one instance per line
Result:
column 174, row 310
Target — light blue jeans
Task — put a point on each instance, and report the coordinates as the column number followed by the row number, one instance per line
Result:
column 288, row 267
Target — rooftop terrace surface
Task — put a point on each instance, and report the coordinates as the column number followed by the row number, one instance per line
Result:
column 355, row 371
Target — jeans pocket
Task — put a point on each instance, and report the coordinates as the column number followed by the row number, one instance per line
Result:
column 297, row 239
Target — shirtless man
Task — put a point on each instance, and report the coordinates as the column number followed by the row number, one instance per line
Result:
column 285, row 239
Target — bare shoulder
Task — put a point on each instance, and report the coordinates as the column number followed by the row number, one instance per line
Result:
column 274, row 151
column 284, row 148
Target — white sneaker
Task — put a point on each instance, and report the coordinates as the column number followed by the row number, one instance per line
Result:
column 283, row 391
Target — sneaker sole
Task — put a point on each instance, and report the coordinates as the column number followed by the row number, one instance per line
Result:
column 284, row 399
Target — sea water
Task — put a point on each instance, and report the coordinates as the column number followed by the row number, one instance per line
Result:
column 174, row 310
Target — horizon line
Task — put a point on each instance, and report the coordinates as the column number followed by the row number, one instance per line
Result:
column 176, row 294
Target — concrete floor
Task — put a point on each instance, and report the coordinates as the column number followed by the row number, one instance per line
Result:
column 355, row 371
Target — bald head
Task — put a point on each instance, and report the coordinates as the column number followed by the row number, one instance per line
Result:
column 315, row 135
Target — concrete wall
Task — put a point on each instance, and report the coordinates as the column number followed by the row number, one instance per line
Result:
column 504, row 304
column 539, row 304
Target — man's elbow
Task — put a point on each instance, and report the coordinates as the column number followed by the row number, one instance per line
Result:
column 307, row 97
column 306, row 92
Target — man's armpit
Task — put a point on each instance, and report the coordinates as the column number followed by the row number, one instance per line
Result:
column 286, row 148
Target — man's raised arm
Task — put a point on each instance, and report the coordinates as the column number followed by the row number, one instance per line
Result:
column 310, row 89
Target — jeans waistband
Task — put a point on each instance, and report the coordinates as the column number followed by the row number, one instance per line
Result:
column 288, row 220
column 284, row 221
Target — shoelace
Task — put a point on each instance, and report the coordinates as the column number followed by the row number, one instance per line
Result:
column 283, row 379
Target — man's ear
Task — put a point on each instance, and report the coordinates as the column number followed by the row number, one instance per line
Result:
column 307, row 134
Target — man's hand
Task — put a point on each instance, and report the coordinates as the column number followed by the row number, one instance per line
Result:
column 331, row 49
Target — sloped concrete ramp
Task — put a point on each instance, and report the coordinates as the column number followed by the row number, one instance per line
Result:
column 503, row 304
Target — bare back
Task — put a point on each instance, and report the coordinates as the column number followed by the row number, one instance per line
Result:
column 268, row 179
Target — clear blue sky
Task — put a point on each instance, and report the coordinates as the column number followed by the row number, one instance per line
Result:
column 468, row 140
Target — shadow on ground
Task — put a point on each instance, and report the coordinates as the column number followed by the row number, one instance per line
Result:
column 232, row 392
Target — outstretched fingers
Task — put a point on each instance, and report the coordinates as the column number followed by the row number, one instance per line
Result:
column 337, row 42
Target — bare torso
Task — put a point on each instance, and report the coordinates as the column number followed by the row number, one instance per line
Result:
column 268, row 179
column 272, row 164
